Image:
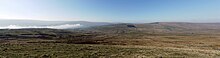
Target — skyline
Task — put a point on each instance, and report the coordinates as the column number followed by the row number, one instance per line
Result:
column 112, row 10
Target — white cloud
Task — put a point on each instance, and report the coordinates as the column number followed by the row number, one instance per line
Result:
column 65, row 26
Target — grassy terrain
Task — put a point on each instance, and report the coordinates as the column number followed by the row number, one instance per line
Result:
column 202, row 46
column 158, row 40
column 97, row 51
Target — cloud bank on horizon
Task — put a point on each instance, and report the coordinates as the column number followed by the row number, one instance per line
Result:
column 65, row 26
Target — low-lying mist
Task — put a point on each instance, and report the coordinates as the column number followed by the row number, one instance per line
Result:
column 65, row 26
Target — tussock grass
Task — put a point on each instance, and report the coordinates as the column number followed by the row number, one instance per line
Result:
column 98, row 51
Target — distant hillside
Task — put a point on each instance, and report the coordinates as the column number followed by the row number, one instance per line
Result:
column 42, row 34
column 160, row 27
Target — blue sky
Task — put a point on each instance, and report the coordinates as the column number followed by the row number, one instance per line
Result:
column 112, row 10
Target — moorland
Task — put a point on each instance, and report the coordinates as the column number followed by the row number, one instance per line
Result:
column 123, row 40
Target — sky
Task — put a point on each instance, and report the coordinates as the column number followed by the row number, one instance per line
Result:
column 112, row 10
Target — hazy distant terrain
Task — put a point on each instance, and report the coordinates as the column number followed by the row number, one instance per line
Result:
column 123, row 40
column 162, row 27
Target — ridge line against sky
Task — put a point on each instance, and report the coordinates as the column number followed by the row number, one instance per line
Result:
column 112, row 10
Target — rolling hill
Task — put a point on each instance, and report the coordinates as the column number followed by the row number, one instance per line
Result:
column 161, row 27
